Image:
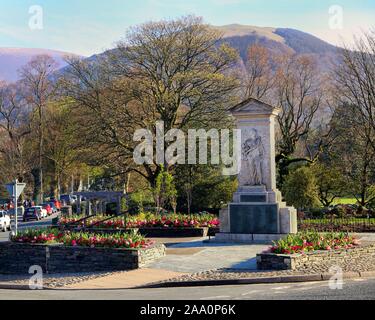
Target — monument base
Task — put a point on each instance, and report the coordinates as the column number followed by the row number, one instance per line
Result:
column 256, row 215
column 246, row 238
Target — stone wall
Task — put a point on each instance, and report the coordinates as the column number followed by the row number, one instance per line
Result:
column 16, row 258
column 271, row 261
column 173, row 232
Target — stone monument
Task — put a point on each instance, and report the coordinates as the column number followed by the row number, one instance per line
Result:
column 257, row 212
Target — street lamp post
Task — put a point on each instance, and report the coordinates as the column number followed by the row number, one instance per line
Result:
column 15, row 206
column 15, row 189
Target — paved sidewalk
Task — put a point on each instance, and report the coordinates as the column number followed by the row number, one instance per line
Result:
column 125, row 280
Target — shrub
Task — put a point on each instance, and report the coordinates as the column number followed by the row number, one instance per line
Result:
column 338, row 211
column 330, row 182
column 138, row 200
column 111, row 208
column 300, row 189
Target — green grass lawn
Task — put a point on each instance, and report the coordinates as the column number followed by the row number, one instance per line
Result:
column 345, row 201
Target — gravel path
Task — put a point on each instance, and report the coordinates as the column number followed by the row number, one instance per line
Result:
column 55, row 280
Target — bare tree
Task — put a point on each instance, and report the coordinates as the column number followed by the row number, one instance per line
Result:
column 104, row 113
column 173, row 71
column 299, row 95
column 39, row 89
column 355, row 81
column 259, row 78
column 15, row 126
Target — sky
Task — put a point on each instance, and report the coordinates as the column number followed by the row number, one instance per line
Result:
column 88, row 27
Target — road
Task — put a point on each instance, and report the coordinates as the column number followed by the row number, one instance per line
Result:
column 4, row 236
column 356, row 289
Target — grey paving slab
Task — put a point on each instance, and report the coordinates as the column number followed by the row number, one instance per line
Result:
column 365, row 236
column 212, row 256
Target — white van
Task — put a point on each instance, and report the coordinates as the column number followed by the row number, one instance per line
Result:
column 4, row 221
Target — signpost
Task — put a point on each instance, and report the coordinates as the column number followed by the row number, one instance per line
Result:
column 15, row 189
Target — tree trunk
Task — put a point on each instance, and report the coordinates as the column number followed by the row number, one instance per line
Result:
column 41, row 195
column 58, row 186
column 36, row 191
column 127, row 183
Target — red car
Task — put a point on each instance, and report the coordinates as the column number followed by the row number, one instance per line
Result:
column 48, row 208
column 58, row 204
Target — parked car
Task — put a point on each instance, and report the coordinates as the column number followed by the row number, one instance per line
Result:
column 48, row 208
column 20, row 211
column 53, row 207
column 58, row 205
column 43, row 211
column 4, row 220
column 33, row 213
column 56, row 202
column 68, row 199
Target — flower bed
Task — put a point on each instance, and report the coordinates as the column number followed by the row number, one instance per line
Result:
column 70, row 252
column 83, row 239
column 305, row 249
column 149, row 221
column 313, row 241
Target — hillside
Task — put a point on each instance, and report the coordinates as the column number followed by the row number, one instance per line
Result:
column 279, row 41
column 12, row 59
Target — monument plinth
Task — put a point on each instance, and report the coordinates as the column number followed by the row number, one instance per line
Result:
column 257, row 212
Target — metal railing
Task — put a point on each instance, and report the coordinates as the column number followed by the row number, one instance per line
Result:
column 73, row 223
column 79, row 226
column 108, row 219
column 337, row 224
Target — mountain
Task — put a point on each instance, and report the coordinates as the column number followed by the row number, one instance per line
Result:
column 276, row 40
column 282, row 38
column 279, row 41
column 12, row 59
column 241, row 37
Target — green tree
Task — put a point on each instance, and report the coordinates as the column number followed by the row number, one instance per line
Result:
column 353, row 152
column 203, row 187
column 60, row 142
column 300, row 189
column 164, row 191
column 330, row 183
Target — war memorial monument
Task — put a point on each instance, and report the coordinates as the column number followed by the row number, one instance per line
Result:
column 257, row 212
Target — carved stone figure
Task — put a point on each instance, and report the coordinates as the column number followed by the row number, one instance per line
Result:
column 252, row 154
